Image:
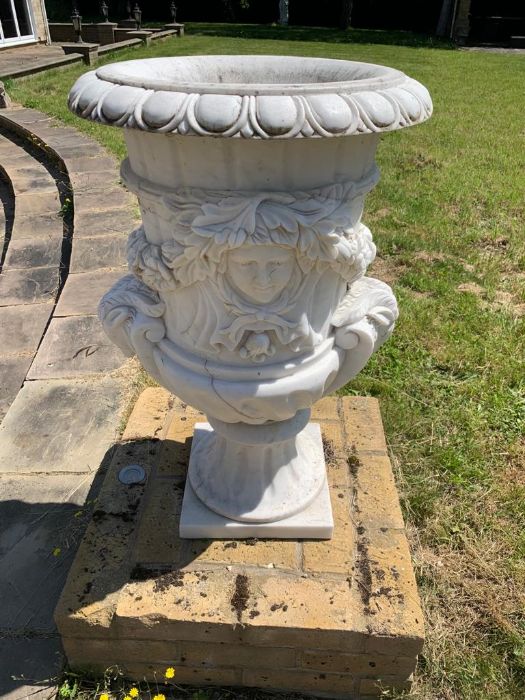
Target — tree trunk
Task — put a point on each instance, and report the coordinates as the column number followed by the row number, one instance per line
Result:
column 228, row 4
column 443, row 25
column 346, row 13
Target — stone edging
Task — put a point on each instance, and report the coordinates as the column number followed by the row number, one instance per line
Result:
column 93, row 256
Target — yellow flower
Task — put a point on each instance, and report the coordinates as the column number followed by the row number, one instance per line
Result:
column 133, row 692
column 127, row 697
column 170, row 672
column 160, row 696
column 104, row 696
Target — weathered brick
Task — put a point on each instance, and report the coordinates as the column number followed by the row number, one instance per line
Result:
column 333, row 440
column 122, row 651
column 158, row 537
column 302, row 612
column 184, row 674
column 175, row 452
column 357, row 664
column 307, row 681
column 237, row 655
column 376, row 493
column 149, row 414
column 404, row 645
column 363, row 424
column 275, row 554
column 338, row 474
column 394, row 602
column 326, row 409
column 337, row 554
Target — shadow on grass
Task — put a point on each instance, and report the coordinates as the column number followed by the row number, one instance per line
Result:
column 319, row 34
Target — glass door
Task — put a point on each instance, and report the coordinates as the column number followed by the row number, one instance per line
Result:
column 16, row 24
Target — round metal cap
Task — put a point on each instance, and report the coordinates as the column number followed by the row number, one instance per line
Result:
column 132, row 474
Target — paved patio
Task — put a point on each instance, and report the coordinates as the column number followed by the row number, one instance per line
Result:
column 61, row 382
column 33, row 58
column 19, row 61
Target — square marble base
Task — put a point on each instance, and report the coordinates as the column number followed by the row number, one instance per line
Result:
column 314, row 523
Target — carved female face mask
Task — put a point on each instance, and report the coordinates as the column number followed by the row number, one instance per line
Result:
column 260, row 272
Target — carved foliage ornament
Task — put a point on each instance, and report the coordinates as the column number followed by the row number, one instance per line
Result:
column 207, row 225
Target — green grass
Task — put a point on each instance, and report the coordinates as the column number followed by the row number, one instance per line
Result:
column 448, row 218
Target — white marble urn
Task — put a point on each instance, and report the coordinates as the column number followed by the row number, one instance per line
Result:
column 247, row 294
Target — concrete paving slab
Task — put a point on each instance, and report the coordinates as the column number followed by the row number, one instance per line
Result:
column 27, row 115
column 60, row 426
column 34, row 252
column 41, row 183
column 43, row 520
column 34, row 286
column 54, row 135
column 98, row 252
column 75, row 346
column 32, row 169
column 21, row 327
column 100, row 161
column 94, row 180
column 13, row 370
column 11, row 157
column 37, row 203
column 84, row 290
column 29, row 668
column 108, row 199
column 19, row 69
column 101, row 223
column 49, row 225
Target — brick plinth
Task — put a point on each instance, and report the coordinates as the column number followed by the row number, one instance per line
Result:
column 338, row 618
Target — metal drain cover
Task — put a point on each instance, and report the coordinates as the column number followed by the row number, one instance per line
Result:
column 132, row 474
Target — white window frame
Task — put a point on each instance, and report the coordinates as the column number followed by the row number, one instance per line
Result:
column 19, row 39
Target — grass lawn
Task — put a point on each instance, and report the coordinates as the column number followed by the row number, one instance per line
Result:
column 448, row 218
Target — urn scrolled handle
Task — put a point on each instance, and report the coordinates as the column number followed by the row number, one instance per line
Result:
column 363, row 321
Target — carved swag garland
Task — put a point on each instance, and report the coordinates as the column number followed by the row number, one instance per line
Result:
column 300, row 234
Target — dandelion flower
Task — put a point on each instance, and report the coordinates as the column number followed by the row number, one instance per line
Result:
column 127, row 697
column 133, row 693
column 170, row 672
column 104, row 696
column 160, row 696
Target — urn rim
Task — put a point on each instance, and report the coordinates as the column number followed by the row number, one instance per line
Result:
column 138, row 73
column 251, row 96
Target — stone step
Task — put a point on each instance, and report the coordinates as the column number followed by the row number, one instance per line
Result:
column 55, row 434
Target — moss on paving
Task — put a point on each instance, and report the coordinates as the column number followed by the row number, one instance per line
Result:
column 448, row 218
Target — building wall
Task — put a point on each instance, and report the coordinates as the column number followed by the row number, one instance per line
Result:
column 39, row 19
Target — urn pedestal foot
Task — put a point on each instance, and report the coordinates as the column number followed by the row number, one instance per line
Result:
column 240, row 490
